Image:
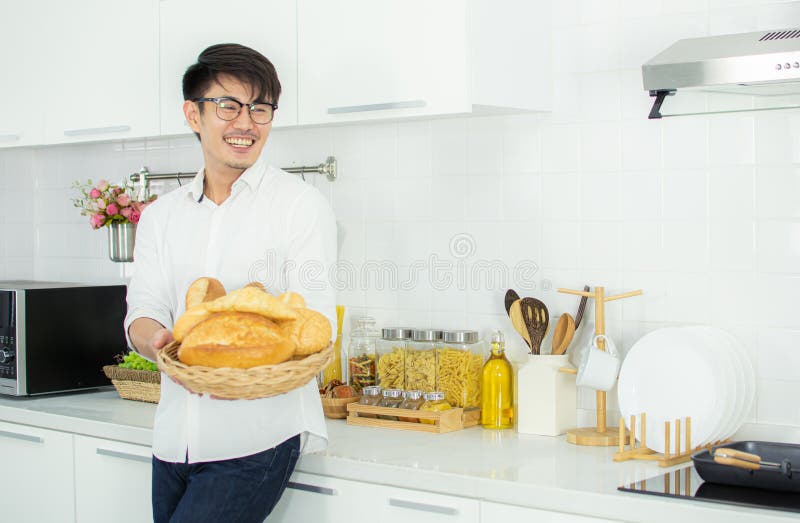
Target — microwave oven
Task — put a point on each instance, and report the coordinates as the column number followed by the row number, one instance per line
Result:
column 56, row 337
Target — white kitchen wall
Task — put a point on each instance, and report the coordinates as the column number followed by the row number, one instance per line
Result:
column 701, row 212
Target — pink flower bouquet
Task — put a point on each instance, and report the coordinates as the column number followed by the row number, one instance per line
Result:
column 105, row 203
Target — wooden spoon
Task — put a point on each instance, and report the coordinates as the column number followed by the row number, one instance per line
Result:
column 536, row 318
column 511, row 297
column 562, row 335
column 515, row 313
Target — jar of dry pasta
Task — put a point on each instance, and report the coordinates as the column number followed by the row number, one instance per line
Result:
column 392, row 357
column 459, row 362
column 420, row 368
column 361, row 354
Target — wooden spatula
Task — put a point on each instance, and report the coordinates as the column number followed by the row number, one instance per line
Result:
column 515, row 313
column 536, row 318
column 511, row 297
column 563, row 333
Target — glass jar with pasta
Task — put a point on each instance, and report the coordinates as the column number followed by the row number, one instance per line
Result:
column 361, row 354
column 459, row 362
column 392, row 357
column 421, row 360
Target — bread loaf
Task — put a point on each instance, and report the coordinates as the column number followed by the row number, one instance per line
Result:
column 310, row 332
column 203, row 290
column 235, row 339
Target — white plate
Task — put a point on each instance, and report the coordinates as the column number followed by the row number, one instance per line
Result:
column 732, row 395
column 748, row 384
column 669, row 375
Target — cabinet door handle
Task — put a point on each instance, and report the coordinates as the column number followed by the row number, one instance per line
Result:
column 312, row 488
column 408, row 104
column 424, row 507
column 124, row 455
column 97, row 130
column 26, row 437
column 10, row 137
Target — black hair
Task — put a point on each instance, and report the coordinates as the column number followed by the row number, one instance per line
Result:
column 246, row 65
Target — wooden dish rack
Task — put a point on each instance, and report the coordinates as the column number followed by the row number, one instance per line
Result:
column 443, row 421
column 668, row 458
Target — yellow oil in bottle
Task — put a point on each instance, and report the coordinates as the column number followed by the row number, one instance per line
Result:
column 497, row 406
column 334, row 370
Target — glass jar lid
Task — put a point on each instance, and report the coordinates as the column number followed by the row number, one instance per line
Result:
column 372, row 390
column 460, row 336
column 396, row 333
column 392, row 393
column 426, row 335
column 413, row 394
column 434, row 396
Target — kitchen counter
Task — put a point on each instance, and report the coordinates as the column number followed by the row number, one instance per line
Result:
column 500, row 466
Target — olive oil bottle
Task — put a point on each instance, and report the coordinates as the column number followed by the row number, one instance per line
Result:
column 497, row 406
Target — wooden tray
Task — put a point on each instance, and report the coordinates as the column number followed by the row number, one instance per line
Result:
column 444, row 421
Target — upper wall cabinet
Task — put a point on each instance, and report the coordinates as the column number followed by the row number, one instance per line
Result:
column 23, row 59
column 101, row 70
column 189, row 26
column 363, row 60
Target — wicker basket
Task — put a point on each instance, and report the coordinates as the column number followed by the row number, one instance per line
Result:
column 132, row 384
column 256, row 382
column 336, row 408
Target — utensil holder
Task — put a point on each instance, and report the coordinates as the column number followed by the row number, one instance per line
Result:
column 546, row 397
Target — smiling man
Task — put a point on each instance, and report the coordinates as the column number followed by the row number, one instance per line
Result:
column 217, row 460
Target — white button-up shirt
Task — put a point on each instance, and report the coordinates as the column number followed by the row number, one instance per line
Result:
column 274, row 229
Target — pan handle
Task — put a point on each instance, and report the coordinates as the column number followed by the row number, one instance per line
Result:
column 738, row 454
column 738, row 463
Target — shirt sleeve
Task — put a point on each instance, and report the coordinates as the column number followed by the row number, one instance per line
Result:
column 148, row 291
column 311, row 253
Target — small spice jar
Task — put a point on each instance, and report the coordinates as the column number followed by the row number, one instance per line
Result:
column 361, row 354
column 413, row 400
column 392, row 357
column 434, row 402
column 371, row 395
column 459, row 365
column 421, row 360
column 392, row 398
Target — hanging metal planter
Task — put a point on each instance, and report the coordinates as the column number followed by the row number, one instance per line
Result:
column 121, row 237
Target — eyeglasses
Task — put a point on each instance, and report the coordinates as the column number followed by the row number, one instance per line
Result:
column 229, row 109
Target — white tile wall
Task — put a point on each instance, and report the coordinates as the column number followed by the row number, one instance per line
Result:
column 701, row 212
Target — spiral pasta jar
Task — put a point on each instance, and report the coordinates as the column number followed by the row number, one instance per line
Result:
column 361, row 354
column 459, row 364
column 420, row 365
column 391, row 354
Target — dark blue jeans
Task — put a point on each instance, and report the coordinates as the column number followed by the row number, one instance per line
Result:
column 236, row 490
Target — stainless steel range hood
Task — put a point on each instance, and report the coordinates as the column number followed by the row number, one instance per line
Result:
column 759, row 70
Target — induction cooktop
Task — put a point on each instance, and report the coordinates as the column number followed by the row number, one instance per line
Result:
column 685, row 483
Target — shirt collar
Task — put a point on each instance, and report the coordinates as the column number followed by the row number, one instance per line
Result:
column 250, row 178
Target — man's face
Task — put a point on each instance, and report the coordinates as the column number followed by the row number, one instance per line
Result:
column 229, row 147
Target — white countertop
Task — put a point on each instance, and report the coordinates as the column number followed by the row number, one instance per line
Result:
column 500, row 466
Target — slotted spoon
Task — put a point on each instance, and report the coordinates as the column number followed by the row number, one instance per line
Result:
column 537, row 319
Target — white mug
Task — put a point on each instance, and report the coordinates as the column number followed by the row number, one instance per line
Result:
column 599, row 368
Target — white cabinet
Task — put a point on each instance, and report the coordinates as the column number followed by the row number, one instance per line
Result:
column 38, row 465
column 101, row 70
column 189, row 26
column 323, row 499
column 112, row 481
column 403, row 505
column 24, row 59
column 361, row 59
column 496, row 512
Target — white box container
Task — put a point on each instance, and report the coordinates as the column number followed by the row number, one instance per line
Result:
column 546, row 398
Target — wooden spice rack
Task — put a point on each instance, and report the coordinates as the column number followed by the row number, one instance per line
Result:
column 443, row 421
column 668, row 458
